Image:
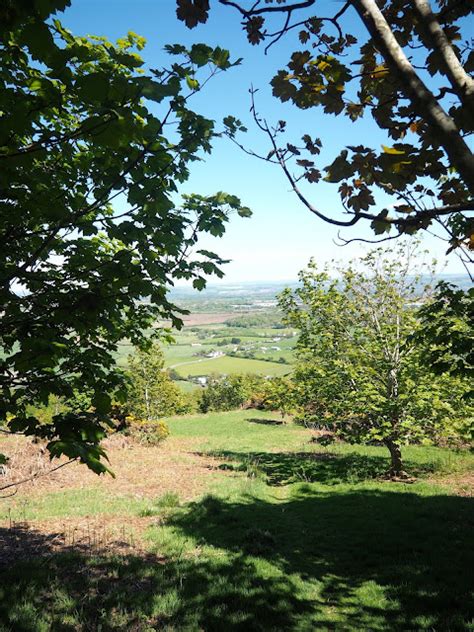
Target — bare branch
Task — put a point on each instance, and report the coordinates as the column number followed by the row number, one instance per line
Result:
column 36, row 475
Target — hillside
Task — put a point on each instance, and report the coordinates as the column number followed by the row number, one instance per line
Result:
column 240, row 522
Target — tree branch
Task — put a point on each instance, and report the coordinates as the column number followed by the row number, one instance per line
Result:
column 436, row 39
column 422, row 98
column 35, row 475
column 272, row 9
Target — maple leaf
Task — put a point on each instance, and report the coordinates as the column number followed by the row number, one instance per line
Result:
column 192, row 12
column 254, row 30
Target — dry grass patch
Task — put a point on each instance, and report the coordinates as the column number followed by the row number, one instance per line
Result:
column 112, row 511
column 144, row 471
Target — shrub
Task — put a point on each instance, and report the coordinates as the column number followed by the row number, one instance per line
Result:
column 146, row 432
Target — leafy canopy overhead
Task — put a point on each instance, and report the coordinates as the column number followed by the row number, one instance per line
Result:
column 448, row 331
column 410, row 75
column 92, row 151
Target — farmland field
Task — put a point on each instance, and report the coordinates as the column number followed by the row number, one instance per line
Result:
column 250, row 339
column 226, row 365
column 239, row 522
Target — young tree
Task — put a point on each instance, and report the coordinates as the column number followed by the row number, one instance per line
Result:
column 279, row 394
column 410, row 74
column 359, row 372
column 230, row 392
column 152, row 393
column 90, row 234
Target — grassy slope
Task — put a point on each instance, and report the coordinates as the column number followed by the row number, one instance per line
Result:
column 293, row 537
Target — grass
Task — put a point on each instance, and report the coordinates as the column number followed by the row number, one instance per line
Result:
column 290, row 536
column 227, row 364
column 72, row 503
column 187, row 387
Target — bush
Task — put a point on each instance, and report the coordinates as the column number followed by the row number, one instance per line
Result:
column 146, row 432
column 248, row 391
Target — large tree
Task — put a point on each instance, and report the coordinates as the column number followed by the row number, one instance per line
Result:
column 92, row 150
column 409, row 74
column 360, row 372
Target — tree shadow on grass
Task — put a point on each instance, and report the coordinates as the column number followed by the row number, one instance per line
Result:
column 283, row 468
column 386, row 560
column 359, row 560
column 87, row 591
column 265, row 421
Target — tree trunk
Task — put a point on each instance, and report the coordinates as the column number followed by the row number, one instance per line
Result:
column 396, row 464
column 423, row 100
column 147, row 404
column 435, row 39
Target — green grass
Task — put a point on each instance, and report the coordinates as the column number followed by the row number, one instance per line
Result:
column 187, row 387
column 242, row 431
column 71, row 503
column 294, row 536
column 229, row 365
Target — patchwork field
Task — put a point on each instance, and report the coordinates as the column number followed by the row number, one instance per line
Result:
column 238, row 522
column 249, row 349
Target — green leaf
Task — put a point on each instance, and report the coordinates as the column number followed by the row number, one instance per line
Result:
column 37, row 37
column 93, row 87
column 158, row 91
column 102, row 402
column 200, row 54
column 199, row 283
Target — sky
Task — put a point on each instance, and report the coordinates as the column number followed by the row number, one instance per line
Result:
column 282, row 235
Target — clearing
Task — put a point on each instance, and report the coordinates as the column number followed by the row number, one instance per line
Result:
column 239, row 522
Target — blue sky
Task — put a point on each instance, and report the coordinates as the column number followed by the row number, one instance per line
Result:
column 282, row 235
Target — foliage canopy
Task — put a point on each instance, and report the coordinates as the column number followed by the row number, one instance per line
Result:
column 404, row 66
column 92, row 150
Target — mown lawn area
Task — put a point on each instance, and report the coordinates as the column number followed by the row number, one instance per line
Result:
column 241, row 522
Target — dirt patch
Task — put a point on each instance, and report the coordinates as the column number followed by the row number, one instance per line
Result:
column 213, row 318
column 143, row 471
column 207, row 319
column 459, row 484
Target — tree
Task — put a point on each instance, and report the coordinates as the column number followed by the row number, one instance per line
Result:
column 230, row 392
column 91, row 233
column 409, row 74
column 359, row 372
column 447, row 332
column 152, row 393
column 279, row 394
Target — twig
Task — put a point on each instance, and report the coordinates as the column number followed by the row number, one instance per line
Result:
column 35, row 475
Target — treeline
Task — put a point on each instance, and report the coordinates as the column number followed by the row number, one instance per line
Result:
column 263, row 320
